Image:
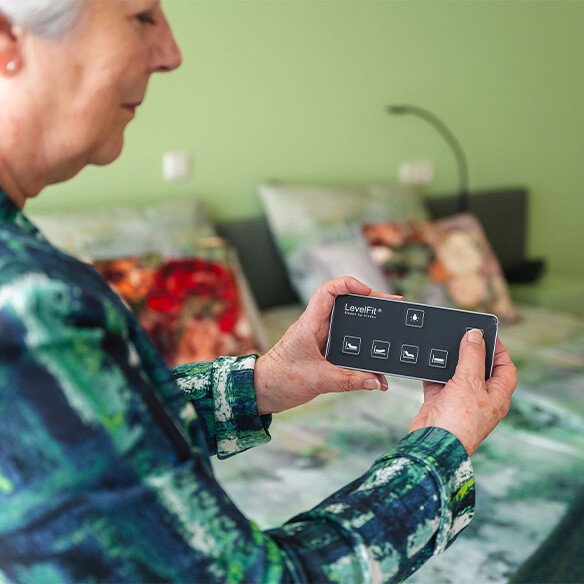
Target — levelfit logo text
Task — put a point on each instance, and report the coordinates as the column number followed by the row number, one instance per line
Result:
column 366, row 311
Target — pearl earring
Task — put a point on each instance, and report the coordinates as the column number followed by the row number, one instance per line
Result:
column 11, row 66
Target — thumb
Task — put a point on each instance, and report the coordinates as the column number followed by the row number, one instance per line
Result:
column 322, row 300
column 471, row 359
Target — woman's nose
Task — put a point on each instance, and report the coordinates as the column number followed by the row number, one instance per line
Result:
column 164, row 53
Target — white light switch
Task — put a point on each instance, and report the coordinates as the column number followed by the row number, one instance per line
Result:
column 419, row 172
column 176, row 165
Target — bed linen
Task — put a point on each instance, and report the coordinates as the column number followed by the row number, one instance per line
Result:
column 527, row 472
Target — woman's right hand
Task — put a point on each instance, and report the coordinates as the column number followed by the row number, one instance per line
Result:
column 468, row 406
column 295, row 371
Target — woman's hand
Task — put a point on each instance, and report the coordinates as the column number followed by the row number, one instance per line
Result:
column 468, row 406
column 295, row 370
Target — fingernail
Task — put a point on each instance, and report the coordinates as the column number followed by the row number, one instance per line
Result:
column 475, row 336
column 371, row 384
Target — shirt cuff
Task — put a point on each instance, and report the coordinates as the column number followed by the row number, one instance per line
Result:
column 446, row 458
column 238, row 425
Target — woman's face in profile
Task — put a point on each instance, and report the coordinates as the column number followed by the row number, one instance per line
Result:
column 89, row 84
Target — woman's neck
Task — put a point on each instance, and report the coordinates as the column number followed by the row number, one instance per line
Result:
column 11, row 187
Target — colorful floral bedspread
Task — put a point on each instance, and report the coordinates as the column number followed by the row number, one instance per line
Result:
column 527, row 472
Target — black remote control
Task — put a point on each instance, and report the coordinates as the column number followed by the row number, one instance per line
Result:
column 395, row 337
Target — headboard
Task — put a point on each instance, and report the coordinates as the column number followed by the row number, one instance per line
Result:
column 502, row 212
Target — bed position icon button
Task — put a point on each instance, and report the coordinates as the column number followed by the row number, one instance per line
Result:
column 409, row 354
column 380, row 349
column 351, row 345
column 415, row 317
column 438, row 358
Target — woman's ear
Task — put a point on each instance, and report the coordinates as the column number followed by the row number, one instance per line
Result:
column 10, row 59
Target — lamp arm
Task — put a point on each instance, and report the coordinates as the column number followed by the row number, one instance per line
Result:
column 450, row 138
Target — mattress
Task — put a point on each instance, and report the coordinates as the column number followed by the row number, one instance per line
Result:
column 528, row 471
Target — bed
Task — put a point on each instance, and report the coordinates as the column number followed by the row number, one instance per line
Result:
column 528, row 472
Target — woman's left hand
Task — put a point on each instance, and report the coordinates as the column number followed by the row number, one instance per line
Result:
column 295, row 370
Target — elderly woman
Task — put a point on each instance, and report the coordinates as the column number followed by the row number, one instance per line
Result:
column 104, row 462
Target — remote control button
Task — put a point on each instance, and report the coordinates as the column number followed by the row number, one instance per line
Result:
column 380, row 349
column 415, row 317
column 471, row 328
column 409, row 354
column 351, row 345
column 438, row 358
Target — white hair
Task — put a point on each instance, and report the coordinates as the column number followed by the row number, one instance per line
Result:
column 47, row 18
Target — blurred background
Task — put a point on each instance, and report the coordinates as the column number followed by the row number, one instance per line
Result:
column 296, row 90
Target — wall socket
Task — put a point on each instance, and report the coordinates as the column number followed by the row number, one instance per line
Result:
column 416, row 172
column 176, row 166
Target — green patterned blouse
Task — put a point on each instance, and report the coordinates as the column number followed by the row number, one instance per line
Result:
column 105, row 473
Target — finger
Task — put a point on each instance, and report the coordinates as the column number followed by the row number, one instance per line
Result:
column 504, row 378
column 501, row 354
column 370, row 381
column 379, row 294
column 351, row 380
column 471, row 359
column 431, row 389
column 345, row 285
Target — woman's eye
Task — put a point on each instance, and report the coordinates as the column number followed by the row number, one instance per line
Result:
column 146, row 18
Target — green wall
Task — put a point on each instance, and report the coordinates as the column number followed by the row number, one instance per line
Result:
column 295, row 90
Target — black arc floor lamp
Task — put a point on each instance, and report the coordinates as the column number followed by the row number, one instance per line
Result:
column 450, row 138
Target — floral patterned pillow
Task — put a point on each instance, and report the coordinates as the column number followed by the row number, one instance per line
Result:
column 183, row 282
column 191, row 307
column 169, row 228
column 317, row 229
column 446, row 262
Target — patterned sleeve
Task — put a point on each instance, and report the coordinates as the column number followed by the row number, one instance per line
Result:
column 223, row 395
column 410, row 505
column 95, row 487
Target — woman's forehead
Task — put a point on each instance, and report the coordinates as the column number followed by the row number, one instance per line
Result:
column 124, row 6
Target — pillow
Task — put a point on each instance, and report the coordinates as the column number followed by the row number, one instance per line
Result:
column 311, row 265
column 447, row 262
column 140, row 238
column 192, row 308
column 318, row 229
column 170, row 228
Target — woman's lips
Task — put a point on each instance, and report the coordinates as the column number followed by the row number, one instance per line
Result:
column 131, row 107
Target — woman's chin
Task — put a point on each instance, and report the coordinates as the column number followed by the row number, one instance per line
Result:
column 107, row 153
